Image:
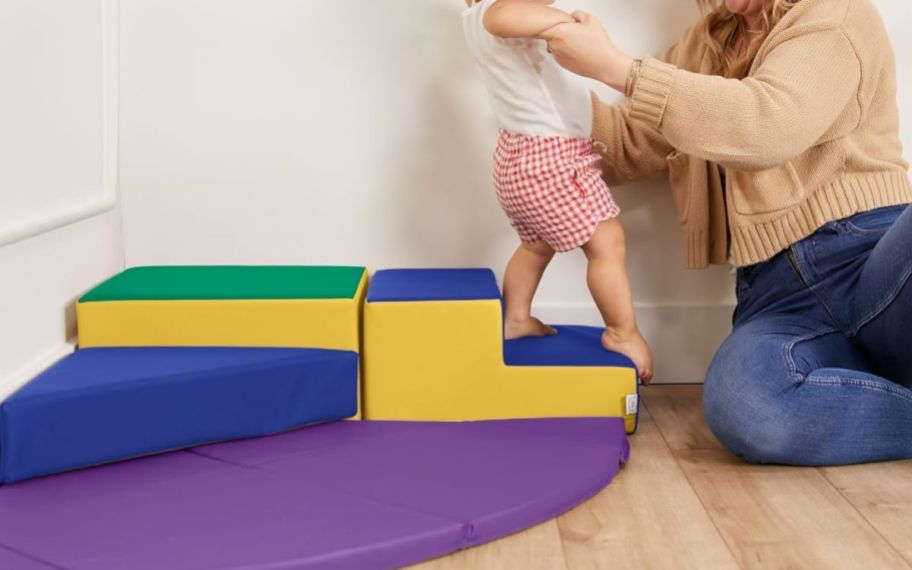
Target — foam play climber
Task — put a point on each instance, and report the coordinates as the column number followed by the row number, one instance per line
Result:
column 277, row 306
column 334, row 496
column 434, row 350
column 172, row 358
column 105, row 404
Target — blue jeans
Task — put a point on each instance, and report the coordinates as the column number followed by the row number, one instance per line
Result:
column 818, row 368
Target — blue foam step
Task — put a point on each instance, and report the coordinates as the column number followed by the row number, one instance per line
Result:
column 106, row 404
column 455, row 284
column 573, row 345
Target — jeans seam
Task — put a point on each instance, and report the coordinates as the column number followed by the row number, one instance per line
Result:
column 800, row 377
column 886, row 302
column 863, row 232
column 843, row 381
column 814, row 285
column 796, row 267
column 827, row 304
column 806, row 281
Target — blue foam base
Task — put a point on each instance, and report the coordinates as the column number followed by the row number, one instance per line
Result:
column 391, row 285
column 105, row 404
column 571, row 346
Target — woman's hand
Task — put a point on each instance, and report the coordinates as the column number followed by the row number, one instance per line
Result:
column 585, row 49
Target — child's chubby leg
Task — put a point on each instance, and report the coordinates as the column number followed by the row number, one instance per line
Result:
column 521, row 279
column 610, row 288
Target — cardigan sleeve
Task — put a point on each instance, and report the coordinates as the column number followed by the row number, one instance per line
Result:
column 795, row 95
column 633, row 150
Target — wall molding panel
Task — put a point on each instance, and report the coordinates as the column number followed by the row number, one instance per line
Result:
column 68, row 214
column 61, row 228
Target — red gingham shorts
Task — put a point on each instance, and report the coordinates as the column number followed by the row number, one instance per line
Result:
column 551, row 189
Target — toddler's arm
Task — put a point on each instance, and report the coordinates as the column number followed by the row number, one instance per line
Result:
column 523, row 18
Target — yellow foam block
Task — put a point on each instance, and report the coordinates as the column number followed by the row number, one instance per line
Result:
column 443, row 360
column 332, row 323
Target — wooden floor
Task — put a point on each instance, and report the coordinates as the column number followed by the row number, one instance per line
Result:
column 684, row 502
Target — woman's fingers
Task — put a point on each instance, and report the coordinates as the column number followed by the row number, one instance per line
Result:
column 552, row 32
column 585, row 49
column 581, row 48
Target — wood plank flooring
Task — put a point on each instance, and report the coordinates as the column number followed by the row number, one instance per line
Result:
column 685, row 502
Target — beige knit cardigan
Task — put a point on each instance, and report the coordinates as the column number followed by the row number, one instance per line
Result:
column 810, row 136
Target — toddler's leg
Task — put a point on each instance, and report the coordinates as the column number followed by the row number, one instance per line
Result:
column 610, row 287
column 521, row 278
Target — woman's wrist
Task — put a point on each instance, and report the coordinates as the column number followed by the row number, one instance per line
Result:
column 617, row 73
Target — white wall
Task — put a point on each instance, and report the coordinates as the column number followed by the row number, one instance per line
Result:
column 59, row 224
column 294, row 131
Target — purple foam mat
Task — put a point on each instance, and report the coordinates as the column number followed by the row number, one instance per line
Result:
column 342, row 495
column 491, row 477
column 10, row 560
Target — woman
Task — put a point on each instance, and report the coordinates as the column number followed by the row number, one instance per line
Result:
column 778, row 125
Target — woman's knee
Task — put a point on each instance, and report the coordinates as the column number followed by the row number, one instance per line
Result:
column 745, row 403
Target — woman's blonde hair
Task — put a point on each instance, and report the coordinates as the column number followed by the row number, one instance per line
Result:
column 722, row 29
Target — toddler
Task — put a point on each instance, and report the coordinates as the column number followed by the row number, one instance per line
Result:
column 546, row 174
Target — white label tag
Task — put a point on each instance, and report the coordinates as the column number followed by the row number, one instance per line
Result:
column 632, row 404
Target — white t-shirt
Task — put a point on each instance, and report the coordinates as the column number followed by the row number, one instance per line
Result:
column 531, row 94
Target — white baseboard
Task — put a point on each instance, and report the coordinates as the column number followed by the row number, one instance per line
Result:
column 683, row 337
column 12, row 382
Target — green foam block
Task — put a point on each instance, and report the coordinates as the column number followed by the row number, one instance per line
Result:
column 219, row 282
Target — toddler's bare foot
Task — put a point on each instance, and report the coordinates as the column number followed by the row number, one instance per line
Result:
column 526, row 327
column 634, row 347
